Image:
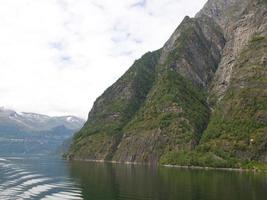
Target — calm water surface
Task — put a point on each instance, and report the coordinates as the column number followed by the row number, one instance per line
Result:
column 38, row 177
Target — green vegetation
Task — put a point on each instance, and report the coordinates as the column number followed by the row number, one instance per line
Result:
column 114, row 109
column 257, row 39
column 163, row 109
column 173, row 102
column 209, row 159
column 236, row 134
column 173, row 117
column 238, row 124
column 194, row 158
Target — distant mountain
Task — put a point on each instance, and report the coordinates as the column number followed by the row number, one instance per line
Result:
column 34, row 133
column 200, row 100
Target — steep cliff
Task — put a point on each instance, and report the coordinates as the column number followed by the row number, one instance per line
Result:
column 236, row 132
column 237, row 128
column 200, row 100
column 102, row 133
column 175, row 112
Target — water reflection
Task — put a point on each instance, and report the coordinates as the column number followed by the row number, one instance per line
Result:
column 53, row 178
column 126, row 182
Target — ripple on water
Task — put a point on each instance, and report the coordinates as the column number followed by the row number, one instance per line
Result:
column 16, row 182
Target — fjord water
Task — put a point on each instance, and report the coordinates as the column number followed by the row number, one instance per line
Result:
column 38, row 177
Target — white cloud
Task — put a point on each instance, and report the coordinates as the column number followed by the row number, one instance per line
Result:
column 57, row 56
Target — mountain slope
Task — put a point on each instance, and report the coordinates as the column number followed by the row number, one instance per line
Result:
column 203, row 96
column 34, row 133
column 114, row 109
column 236, row 133
column 36, row 122
column 175, row 112
column 238, row 124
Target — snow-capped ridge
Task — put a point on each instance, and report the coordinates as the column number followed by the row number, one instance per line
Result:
column 39, row 122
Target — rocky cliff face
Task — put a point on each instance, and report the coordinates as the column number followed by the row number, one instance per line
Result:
column 237, row 127
column 114, row 109
column 175, row 111
column 239, row 21
column 200, row 100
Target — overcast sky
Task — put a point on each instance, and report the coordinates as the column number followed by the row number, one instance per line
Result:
column 58, row 56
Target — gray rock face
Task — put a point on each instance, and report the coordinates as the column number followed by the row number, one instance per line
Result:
column 193, row 52
column 115, row 108
column 191, row 55
column 198, row 45
column 195, row 95
column 239, row 21
column 239, row 90
column 224, row 12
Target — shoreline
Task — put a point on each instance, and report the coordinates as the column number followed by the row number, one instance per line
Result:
column 171, row 166
column 214, row 168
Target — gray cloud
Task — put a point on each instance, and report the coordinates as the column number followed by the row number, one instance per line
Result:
column 57, row 56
